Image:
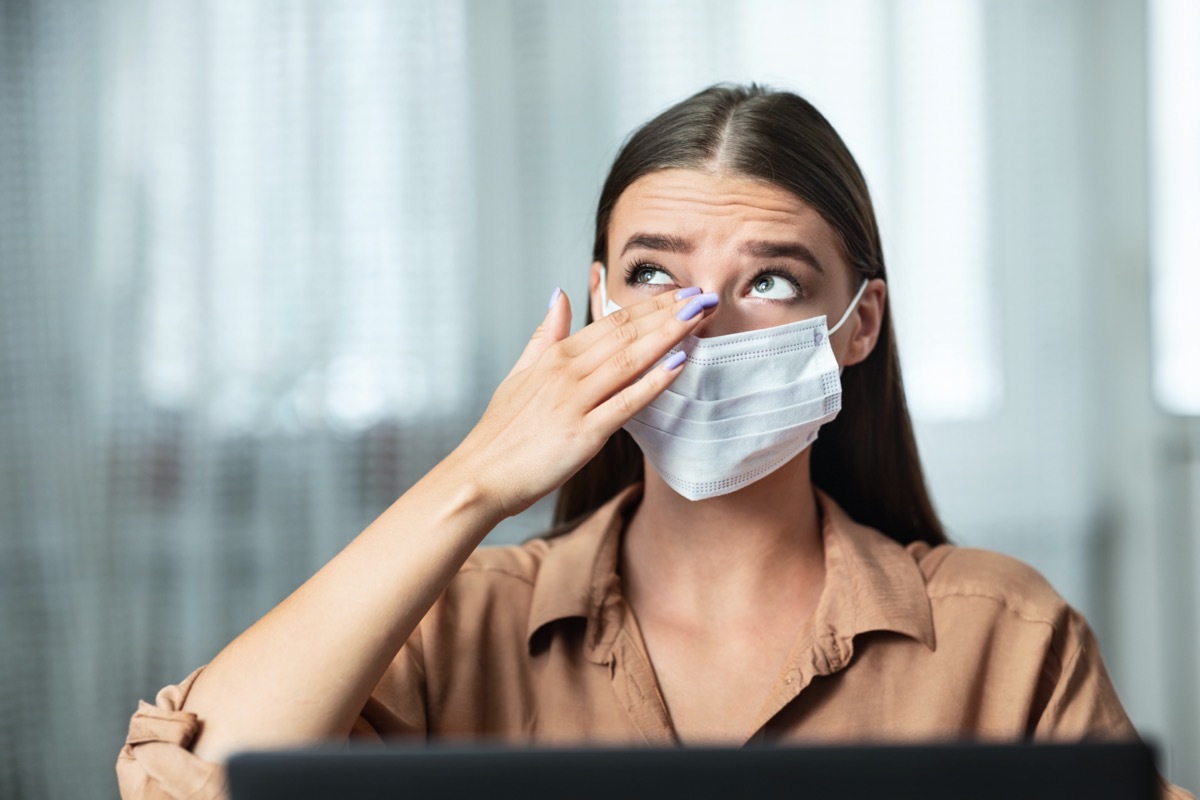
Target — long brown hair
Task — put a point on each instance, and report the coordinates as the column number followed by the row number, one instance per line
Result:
column 866, row 459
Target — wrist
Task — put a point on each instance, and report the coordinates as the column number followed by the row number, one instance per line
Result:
column 465, row 494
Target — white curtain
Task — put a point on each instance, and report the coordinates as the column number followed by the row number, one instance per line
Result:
column 238, row 265
column 262, row 263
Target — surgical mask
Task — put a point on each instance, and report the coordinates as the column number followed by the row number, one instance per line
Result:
column 744, row 405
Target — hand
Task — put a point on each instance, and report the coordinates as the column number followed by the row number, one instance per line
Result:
column 568, row 394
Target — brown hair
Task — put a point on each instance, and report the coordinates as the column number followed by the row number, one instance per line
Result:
column 866, row 459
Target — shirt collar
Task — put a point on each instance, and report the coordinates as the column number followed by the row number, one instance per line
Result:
column 578, row 576
column 871, row 583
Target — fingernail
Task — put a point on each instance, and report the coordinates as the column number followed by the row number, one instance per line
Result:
column 690, row 310
column 557, row 293
column 696, row 305
column 691, row 291
column 674, row 361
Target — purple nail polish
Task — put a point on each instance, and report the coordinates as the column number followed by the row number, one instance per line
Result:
column 707, row 300
column 674, row 360
column 557, row 293
column 690, row 310
column 691, row 291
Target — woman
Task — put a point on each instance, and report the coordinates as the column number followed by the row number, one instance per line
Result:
column 718, row 574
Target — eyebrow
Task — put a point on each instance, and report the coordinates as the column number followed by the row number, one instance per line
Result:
column 762, row 249
column 657, row 241
column 792, row 250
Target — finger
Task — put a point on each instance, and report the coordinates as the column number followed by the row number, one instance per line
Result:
column 630, row 355
column 621, row 407
column 555, row 327
column 604, row 326
column 630, row 343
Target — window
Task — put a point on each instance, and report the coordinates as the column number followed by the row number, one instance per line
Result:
column 307, row 187
column 1174, row 29
column 903, row 83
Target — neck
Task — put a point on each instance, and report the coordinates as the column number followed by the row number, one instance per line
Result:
column 722, row 557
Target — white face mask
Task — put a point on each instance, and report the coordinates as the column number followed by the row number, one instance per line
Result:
column 744, row 405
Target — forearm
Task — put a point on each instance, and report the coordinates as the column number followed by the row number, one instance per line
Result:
column 304, row 671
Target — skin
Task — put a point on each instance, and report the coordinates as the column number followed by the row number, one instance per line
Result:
column 720, row 613
column 302, row 673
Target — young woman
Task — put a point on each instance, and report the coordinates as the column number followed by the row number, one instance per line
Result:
column 718, row 573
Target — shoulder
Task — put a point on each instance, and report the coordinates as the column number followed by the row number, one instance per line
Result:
column 496, row 579
column 501, row 594
column 516, row 572
column 486, row 604
column 505, row 564
column 982, row 579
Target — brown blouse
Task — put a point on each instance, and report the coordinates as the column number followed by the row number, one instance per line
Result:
column 535, row 644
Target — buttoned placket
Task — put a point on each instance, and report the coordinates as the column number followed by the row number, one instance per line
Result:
column 811, row 657
column 613, row 640
column 636, row 685
column 637, row 688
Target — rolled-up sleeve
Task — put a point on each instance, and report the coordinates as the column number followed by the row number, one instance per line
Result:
column 157, row 762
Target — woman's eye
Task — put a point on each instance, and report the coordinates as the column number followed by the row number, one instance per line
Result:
column 650, row 275
column 772, row 287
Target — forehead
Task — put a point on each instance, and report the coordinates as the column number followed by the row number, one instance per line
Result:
column 714, row 208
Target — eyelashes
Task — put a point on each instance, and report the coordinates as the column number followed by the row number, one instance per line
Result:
column 632, row 271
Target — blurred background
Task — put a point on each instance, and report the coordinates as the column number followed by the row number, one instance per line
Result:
column 262, row 264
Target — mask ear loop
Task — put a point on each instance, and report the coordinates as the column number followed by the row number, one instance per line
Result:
column 603, row 288
column 606, row 307
column 853, row 304
column 846, row 316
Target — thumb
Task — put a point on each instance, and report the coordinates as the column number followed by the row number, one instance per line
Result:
column 555, row 327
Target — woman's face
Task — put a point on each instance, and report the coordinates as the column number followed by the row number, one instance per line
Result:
column 770, row 257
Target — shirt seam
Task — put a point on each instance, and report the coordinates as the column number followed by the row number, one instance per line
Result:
column 1001, row 601
column 1053, row 647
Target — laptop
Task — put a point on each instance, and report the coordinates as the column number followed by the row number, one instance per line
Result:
column 929, row 772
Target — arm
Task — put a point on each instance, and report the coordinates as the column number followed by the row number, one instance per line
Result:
column 305, row 670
